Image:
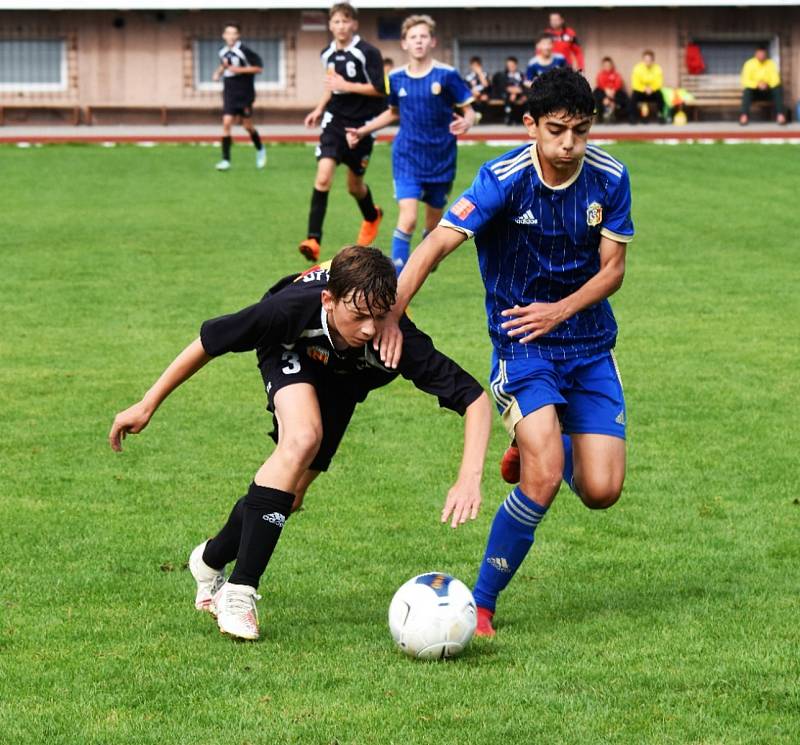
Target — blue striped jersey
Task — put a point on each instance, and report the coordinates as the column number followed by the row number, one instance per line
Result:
column 538, row 243
column 424, row 150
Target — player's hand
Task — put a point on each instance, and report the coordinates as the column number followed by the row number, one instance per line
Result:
column 131, row 421
column 532, row 321
column 463, row 502
column 215, row 77
column 353, row 138
column 312, row 120
column 459, row 125
column 335, row 83
column 389, row 341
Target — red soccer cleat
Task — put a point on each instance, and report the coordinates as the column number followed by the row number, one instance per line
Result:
column 509, row 465
column 310, row 249
column 484, row 627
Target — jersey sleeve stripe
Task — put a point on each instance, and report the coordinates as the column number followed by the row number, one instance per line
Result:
column 505, row 165
column 618, row 237
column 447, row 224
column 519, row 167
column 603, row 166
column 603, row 155
column 467, row 102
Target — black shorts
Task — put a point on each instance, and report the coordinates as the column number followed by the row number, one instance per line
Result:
column 338, row 395
column 333, row 144
column 237, row 105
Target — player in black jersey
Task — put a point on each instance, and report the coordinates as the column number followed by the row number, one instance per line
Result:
column 355, row 91
column 237, row 68
column 313, row 334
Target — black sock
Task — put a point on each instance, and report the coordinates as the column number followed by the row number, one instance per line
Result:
column 226, row 148
column 224, row 546
column 265, row 512
column 316, row 215
column 367, row 207
column 254, row 136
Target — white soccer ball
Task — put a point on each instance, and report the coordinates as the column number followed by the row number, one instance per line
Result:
column 432, row 616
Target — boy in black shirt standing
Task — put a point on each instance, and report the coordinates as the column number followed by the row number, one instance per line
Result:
column 238, row 68
column 314, row 335
column 355, row 91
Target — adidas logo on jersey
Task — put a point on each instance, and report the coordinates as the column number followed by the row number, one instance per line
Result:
column 526, row 218
column 401, row 93
column 499, row 563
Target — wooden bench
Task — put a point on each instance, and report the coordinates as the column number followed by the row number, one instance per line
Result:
column 716, row 92
column 73, row 109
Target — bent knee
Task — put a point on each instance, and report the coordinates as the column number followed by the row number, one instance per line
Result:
column 600, row 497
column 302, row 445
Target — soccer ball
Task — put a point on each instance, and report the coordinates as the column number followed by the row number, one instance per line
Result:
column 432, row 616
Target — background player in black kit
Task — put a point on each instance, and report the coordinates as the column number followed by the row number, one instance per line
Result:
column 313, row 334
column 355, row 91
column 238, row 68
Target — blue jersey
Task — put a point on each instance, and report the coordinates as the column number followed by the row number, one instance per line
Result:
column 424, row 150
column 538, row 243
column 536, row 67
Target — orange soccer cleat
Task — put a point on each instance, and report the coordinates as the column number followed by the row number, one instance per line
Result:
column 509, row 465
column 310, row 249
column 484, row 627
column 369, row 230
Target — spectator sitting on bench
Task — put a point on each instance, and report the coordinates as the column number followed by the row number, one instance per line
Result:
column 647, row 79
column 609, row 95
column 508, row 85
column 478, row 82
column 761, row 82
column 543, row 60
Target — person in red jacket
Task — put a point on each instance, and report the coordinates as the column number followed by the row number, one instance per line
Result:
column 565, row 41
column 609, row 93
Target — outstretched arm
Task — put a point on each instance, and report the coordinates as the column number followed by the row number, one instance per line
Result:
column 384, row 119
column 441, row 242
column 134, row 419
column 464, row 498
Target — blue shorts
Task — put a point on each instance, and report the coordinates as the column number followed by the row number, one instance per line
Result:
column 587, row 392
column 433, row 194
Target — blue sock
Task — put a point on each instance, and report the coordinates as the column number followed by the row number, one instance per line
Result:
column 401, row 243
column 569, row 471
column 510, row 539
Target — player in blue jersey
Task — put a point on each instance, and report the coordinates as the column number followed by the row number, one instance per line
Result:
column 551, row 222
column 545, row 59
column 423, row 96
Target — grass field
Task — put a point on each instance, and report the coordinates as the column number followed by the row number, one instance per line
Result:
column 672, row 618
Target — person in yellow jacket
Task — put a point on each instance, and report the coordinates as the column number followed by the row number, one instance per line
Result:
column 647, row 79
column 761, row 82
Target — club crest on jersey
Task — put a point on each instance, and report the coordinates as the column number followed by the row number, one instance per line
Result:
column 319, row 354
column 462, row 208
column 594, row 214
column 436, row 88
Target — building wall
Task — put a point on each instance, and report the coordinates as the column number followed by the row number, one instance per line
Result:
column 147, row 60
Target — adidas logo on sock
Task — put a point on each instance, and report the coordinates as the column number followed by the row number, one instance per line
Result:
column 526, row 218
column 499, row 563
column 275, row 518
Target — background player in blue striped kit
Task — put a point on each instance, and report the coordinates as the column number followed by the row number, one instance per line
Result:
column 551, row 222
column 423, row 96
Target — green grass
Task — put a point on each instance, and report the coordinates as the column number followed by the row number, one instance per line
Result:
column 672, row 618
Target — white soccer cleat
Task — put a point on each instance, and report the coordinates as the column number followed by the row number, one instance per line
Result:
column 261, row 158
column 209, row 581
column 235, row 607
column 224, row 165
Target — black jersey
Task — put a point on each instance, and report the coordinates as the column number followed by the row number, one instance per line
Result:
column 360, row 62
column 291, row 317
column 239, row 87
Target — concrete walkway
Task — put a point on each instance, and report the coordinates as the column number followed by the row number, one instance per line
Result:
column 271, row 133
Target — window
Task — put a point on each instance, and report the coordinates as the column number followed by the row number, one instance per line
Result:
column 206, row 60
column 33, row 65
column 726, row 56
column 493, row 55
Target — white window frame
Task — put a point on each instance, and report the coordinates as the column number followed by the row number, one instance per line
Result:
column 35, row 87
column 263, row 85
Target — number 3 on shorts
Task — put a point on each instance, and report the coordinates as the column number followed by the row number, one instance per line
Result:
column 292, row 360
